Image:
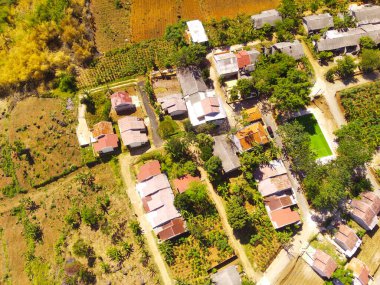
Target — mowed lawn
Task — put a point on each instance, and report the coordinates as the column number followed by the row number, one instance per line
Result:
column 318, row 142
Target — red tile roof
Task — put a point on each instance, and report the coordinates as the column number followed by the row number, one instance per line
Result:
column 347, row 236
column 210, row 106
column 120, row 98
column 363, row 211
column 243, row 58
column 174, row 228
column 252, row 135
column 110, row 140
column 274, row 185
column 149, row 170
column 283, row 217
column 182, row 183
column 324, row 263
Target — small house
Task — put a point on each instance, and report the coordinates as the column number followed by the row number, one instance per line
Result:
column 182, row 184
column 365, row 210
column 101, row 129
column 275, row 185
column 252, row 135
column 270, row 17
column 246, row 59
column 121, row 102
column 293, row 49
column 130, row 123
column 226, row 64
column 204, row 107
column 347, row 240
column 133, row 131
column 315, row 23
column 226, row 151
column 227, row 276
column 366, row 14
column 191, row 81
column 196, row 31
column 173, row 228
column 323, row 264
column 173, row 104
column 284, row 217
column 360, row 271
column 274, row 202
column 106, row 144
column 134, row 139
column 272, row 169
column 148, row 170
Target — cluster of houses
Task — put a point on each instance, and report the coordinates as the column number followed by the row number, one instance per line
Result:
column 364, row 211
column 276, row 189
column 157, row 198
column 132, row 129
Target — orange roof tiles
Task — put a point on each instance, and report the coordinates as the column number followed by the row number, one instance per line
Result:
column 275, row 202
column 172, row 229
column 253, row 114
column 251, row 135
column 324, row 263
column 120, row 98
column 101, row 129
column 243, row 58
column 183, row 183
column 283, row 217
column 149, row 170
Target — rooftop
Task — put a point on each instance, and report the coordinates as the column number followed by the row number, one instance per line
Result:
column 183, row 183
column 274, row 185
column 251, row 135
column 318, row 22
column 372, row 200
column 279, row 202
column 120, row 98
column 324, row 263
column 227, row 276
column 101, row 129
column 245, row 58
column 293, row 49
column 226, row 63
column 172, row 103
column 148, row 170
column 266, row 17
column 162, row 215
column 226, row 150
column 283, row 217
column 158, row 199
column 273, row 168
column 130, row 123
column 364, row 212
column 107, row 141
column 348, row 238
column 360, row 270
column 366, row 14
column 197, row 32
column 252, row 114
column 191, row 81
column 130, row 138
column 172, row 229
column 152, row 185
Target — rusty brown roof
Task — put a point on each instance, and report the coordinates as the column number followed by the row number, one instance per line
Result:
column 347, row 236
column 324, row 263
column 172, row 229
column 148, row 170
column 101, row 129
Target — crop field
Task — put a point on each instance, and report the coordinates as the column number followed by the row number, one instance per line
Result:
column 318, row 142
column 112, row 26
column 370, row 251
column 150, row 18
column 50, row 211
column 39, row 142
column 301, row 273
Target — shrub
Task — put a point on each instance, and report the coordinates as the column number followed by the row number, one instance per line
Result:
column 346, row 67
column 330, row 75
column 213, row 167
column 82, row 249
column 67, row 83
column 89, row 216
column 237, row 215
column 135, row 227
column 166, row 249
column 115, row 254
column 73, row 218
column 168, row 127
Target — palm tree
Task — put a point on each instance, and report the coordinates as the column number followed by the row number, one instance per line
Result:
column 128, row 249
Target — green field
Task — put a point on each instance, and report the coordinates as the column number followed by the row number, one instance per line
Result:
column 318, row 142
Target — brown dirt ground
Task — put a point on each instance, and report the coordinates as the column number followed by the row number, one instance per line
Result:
column 163, row 87
column 370, row 251
column 55, row 201
column 301, row 273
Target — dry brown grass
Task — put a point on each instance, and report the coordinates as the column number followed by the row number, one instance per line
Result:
column 370, row 250
column 54, row 148
column 54, row 203
column 112, row 26
column 150, row 18
column 301, row 273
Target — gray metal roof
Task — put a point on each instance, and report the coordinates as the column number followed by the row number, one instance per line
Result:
column 191, row 80
column 293, row 49
column 228, row 276
column 266, row 17
column 366, row 14
column 227, row 153
column 318, row 22
column 336, row 40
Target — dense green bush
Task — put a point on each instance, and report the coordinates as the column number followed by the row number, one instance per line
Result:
column 168, row 127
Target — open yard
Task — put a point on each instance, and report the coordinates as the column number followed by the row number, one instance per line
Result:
column 38, row 142
column 318, row 142
column 301, row 273
column 84, row 225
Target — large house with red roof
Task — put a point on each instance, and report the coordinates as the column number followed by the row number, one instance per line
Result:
column 121, row 102
column 158, row 201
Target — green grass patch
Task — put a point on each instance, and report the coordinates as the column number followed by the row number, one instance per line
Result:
column 319, row 144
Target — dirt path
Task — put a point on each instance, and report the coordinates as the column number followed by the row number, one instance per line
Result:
column 125, row 165
column 238, row 248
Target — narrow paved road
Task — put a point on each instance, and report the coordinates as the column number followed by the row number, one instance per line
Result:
column 236, row 245
column 157, row 141
column 125, row 166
